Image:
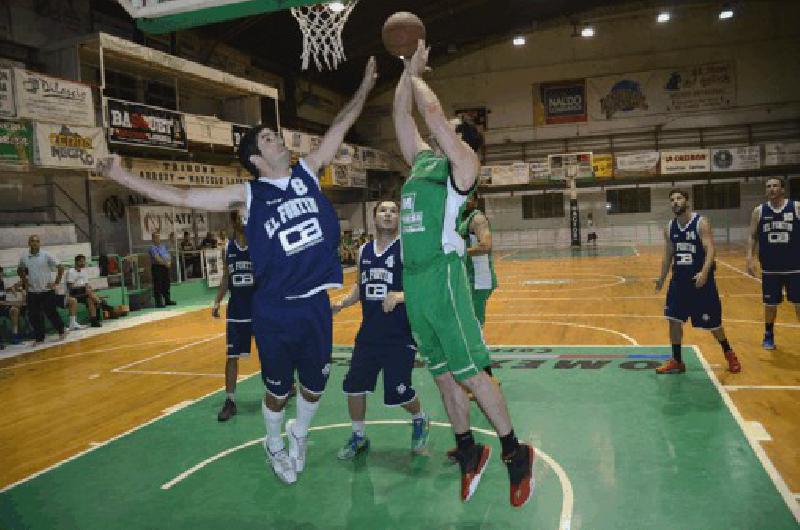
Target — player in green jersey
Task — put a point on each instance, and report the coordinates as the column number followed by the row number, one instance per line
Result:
column 438, row 300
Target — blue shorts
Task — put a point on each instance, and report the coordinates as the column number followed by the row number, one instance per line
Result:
column 396, row 361
column 684, row 300
column 772, row 286
column 239, row 337
column 294, row 335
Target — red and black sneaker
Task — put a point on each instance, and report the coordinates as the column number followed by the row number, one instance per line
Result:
column 734, row 366
column 671, row 367
column 520, row 474
column 473, row 462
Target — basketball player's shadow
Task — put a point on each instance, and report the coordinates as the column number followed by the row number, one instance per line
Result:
column 782, row 359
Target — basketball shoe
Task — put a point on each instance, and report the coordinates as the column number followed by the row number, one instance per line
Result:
column 473, row 463
column 297, row 447
column 734, row 366
column 419, row 434
column 282, row 464
column 671, row 367
column 769, row 341
column 353, row 447
column 520, row 474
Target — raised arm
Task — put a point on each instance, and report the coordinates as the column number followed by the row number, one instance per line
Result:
column 480, row 227
column 330, row 143
column 217, row 200
column 464, row 161
column 707, row 240
column 752, row 240
column 666, row 261
column 405, row 128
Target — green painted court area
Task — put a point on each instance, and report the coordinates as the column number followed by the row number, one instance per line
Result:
column 622, row 448
column 586, row 251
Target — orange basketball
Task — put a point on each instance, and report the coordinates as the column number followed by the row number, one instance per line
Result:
column 401, row 32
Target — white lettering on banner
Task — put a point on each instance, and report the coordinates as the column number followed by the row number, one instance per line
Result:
column 376, row 291
column 154, row 123
column 300, row 237
column 167, row 219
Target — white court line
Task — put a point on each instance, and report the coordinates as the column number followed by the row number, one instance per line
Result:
column 574, row 324
column 567, row 493
column 101, row 350
column 612, row 315
column 611, row 298
column 760, row 387
column 509, row 255
column 769, row 467
column 737, row 269
column 96, row 445
column 162, row 354
column 156, row 372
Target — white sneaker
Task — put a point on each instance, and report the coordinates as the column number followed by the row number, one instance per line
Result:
column 282, row 465
column 76, row 327
column 297, row 447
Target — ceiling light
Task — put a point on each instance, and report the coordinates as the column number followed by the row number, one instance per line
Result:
column 663, row 17
column 519, row 40
column 336, row 7
column 587, row 31
column 726, row 14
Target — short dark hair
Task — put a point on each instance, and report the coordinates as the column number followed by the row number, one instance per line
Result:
column 779, row 179
column 79, row 256
column 377, row 204
column 249, row 147
column 471, row 135
column 679, row 191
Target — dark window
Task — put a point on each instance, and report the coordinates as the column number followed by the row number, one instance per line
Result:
column 718, row 196
column 543, row 206
column 794, row 188
column 628, row 200
column 160, row 95
column 120, row 86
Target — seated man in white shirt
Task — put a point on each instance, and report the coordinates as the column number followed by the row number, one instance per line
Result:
column 81, row 291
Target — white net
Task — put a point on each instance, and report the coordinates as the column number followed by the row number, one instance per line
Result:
column 321, row 26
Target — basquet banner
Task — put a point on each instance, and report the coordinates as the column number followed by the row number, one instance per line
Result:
column 137, row 124
column 67, row 146
column 168, row 219
column 736, row 158
column 564, row 102
column 675, row 90
column 685, row 161
column 7, row 107
column 16, row 145
column 636, row 164
column 44, row 98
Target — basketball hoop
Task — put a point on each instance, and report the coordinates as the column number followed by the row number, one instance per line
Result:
column 321, row 26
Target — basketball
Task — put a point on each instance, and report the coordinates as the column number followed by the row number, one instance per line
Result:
column 400, row 34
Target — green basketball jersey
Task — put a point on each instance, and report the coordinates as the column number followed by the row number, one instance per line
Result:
column 429, row 211
column 480, row 269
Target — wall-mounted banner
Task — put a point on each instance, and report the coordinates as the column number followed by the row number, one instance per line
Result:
column 564, row 102
column 185, row 173
column 781, row 154
column 237, row 133
column 642, row 163
column 675, row 90
column 7, row 107
column 168, row 219
column 137, row 124
column 67, row 146
column 297, row 142
column 212, row 258
column 539, row 168
column 736, row 158
column 570, row 165
column 16, row 145
column 44, row 98
column 574, row 223
column 603, row 165
column 685, row 161
column 208, row 130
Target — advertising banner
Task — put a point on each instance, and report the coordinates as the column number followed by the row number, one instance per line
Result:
column 564, row 102
column 44, row 98
column 570, row 165
column 67, row 146
column 781, row 154
column 603, row 165
column 574, row 223
column 636, row 164
column 208, row 130
column 168, row 219
column 685, row 161
column 16, row 145
column 674, row 90
column 184, row 173
column 212, row 257
column 7, row 107
column 539, row 168
column 137, row 124
column 736, row 158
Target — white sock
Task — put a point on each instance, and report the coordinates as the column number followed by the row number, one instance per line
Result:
column 232, row 396
column 73, row 321
column 418, row 416
column 359, row 428
column 273, row 421
column 305, row 413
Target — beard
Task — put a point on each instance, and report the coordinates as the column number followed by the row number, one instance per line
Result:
column 679, row 210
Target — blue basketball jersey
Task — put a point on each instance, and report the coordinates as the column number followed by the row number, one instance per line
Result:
column 240, row 281
column 779, row 239
column 688, row 253
column 293, row 235
column 379, row 274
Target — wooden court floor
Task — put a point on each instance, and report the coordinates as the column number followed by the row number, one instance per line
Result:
column 60, row 401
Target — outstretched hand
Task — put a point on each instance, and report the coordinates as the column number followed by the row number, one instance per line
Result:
column 418, row 64
column 370, row 76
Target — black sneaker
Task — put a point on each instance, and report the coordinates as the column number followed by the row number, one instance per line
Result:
column 96, row 324
column 473, row 462
column 228, row 410
column 171, row 302
column 520, row 474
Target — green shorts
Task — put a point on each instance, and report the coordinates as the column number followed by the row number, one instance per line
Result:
column 439, row 306
column 479, row 299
